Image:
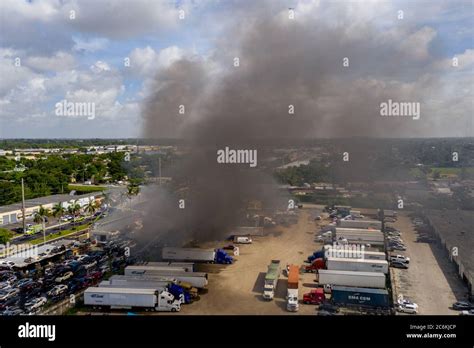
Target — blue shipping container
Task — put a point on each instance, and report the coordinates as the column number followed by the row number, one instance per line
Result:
column 343, row 295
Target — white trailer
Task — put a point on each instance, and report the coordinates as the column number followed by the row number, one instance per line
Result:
column 351, row 278
column 360, row 224
column 357, row 265
column 354, row 254
column 131, row 298
column 133, row 283
column 356, row 230
column 196, row 279
column 187, row 266
column 191, row 254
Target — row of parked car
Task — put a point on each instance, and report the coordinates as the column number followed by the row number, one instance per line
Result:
column 20, row 294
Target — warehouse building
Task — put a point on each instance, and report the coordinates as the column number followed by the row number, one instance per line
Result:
column 12, row 213
column 454, row 229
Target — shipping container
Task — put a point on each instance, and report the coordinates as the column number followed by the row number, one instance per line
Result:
column 351, row 278
column 360, row 224
column 363, row 297
column 358, row 265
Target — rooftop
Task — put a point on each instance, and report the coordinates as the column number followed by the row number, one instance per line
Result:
column 30, row 203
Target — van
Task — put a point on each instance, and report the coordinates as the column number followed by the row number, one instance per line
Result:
column 242, row 240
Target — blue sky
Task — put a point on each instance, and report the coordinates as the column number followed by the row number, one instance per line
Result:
column 81, row 59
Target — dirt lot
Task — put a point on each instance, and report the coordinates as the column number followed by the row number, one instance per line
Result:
column 237, row 289
column 431, row 281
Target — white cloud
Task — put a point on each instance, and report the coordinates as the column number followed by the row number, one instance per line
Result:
column 59, row 62
column 90, row 45
column 145, row 62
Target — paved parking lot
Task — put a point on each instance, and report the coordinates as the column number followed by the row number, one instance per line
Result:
column 431, row 280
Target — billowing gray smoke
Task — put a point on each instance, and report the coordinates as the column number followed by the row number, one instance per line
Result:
column 282, row 62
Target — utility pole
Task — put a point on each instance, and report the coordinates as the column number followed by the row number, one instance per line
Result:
column 23, row 204
column 159, row 170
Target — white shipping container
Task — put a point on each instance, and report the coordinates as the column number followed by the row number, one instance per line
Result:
column 191, row 254
column 351, row 278
column 120, row 298
column 357, row 265
column 360, row 224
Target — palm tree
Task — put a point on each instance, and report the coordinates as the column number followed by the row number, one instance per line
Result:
column 91, row 207
column 73, row 209
column 40, row 217
column 58, row 211
column 133, row 190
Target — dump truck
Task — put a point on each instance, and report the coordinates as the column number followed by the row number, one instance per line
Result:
column 292, row 293
column 196, row 255
column 271, row 280
column 358, row 265
column 360, row 297
column 131, row 298
column 351, row 278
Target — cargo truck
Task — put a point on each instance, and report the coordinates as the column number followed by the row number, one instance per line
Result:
column 197, row 255
column 271, row 280
column 176, row 290
column 131, row 298
column 360, row 297
column 351, row 278
column 358, row 265
column 292, row 293
column 319, row 254
column 315, row 265
column 360, row 224
column 315, row 296
column 196, row 279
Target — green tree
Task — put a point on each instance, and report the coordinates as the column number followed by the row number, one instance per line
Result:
column 73, row 209
column 5, row 235
column 91, row 207
column 58, row 212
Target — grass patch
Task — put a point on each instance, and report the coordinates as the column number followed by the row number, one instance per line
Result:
column 60, row 234
column 85, row 189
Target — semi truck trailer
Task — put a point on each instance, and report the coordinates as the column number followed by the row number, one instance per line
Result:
column 293, row 285
column 197, row 279
column 196, row 255
column 360, row 224
column 131, row 298
column 177, row 291
column 349, row 253
column 351, row 278
column 187, row 266
column 357, row 265
column 157, row 281
column 361, row 297
column 271, row 280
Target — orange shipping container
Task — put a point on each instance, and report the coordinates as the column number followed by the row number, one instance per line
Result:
column 293, row 277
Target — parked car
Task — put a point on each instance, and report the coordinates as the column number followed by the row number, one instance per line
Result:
column 35, row 304
column 325, row 313
column 4, row 286
column 398, row 264
column 13, row 311
column 393, row 247
column 64, row 277
column 400, row 258
column 463, row 305
column 411, row 308
column 9, row 302
column 57, row 290
column 5, row 295
column 23, row 282
column 469, row 312
column 329, row 307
